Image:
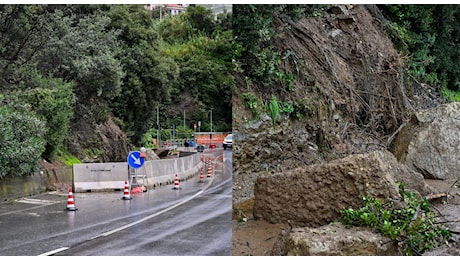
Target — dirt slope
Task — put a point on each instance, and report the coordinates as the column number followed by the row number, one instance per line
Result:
column 349, row 84
column 352, row 87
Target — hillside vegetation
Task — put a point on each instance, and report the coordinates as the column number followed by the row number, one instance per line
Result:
column 79, row 81
column 272, row 71
column 329, row 82
column 320, row 84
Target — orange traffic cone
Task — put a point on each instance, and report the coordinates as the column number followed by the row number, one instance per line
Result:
column 176, row 183
column 70, row 201
column 126, row 194
column 202, row 175
column 209, row 169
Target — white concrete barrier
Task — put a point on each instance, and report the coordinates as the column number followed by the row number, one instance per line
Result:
column 163, row 172
column 89, row 177
column 99, row 176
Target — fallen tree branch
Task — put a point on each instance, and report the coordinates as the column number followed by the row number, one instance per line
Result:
column 436, row 196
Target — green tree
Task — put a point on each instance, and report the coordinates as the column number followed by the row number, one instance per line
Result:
column 21, row 138
column 200, row 18
column 62, row 46
column 84, row 50
column 174, row 29
column 52, row 100
column 149, row 74
column 23, row 32
column 427, row 33
column 253, row 31
column 205, row 64
column 446, row 48
column 77, row 65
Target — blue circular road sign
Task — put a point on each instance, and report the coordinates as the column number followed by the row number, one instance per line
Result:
column 135, row 160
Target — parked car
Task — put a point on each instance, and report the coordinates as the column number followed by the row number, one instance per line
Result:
column 200, row 148
column 228, row 141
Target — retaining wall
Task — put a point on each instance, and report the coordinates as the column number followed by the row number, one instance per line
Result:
column 12, row 188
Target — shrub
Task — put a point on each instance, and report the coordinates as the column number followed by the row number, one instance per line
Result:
column 22, row 142
column 412, row 226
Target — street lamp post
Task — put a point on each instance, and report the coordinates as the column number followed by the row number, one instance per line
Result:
column 158, row 127
column 210, row 135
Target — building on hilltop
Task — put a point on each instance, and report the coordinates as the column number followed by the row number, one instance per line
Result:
column 219, row 8
column 171, row 9
column 174, row 9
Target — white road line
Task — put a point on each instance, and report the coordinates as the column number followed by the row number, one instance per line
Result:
column 54, row 251
column 135, row 222
column 153, row 215
column 36, row 201
column 22, row 210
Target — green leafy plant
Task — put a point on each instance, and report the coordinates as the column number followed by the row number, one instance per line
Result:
column 451, row 95
column 274, row 109
column 287, row 80
column 412, row 226
column 286, row 108
column 253, row 103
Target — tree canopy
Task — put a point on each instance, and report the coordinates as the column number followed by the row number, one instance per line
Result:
column 429, row 35
column 65, row 69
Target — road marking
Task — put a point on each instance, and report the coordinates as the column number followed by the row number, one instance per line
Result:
column 136, row 222
column 36, row 201
column 33, row 214
column 41, row 205
column 55, row 251
column 57, row 193
column 153, row 215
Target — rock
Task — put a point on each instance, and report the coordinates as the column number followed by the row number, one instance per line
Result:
column 151, row 155
column 312, row 196
column 430, row 143
column 338, row 9
column 162, row 153
column 113, row 142
column 333, row 240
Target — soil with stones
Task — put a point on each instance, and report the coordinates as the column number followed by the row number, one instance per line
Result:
column 256, row 237
column 355, row 99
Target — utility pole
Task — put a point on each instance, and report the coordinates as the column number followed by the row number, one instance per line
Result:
column 184, row 119
column 210, row 133
column 211, row 120
column 158, row 127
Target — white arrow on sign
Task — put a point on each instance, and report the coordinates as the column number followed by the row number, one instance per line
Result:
column 136, row 160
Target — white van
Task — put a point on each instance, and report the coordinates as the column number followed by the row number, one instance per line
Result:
column 228, row 141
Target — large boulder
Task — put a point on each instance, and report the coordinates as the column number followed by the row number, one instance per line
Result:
column 430, row 142
column 333, row 240
column 313, row 196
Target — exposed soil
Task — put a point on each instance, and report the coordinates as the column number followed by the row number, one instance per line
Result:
column 256, row 237
column 355, row 98
column 252, row 237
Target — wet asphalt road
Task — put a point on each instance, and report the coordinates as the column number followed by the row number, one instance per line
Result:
column 194, row 220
